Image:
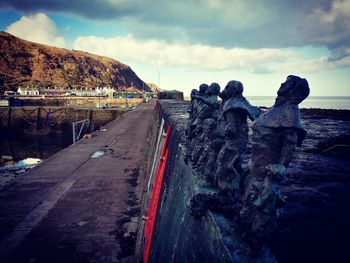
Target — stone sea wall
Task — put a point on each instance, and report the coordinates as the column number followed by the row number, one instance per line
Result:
column 51, row 119
column 178, row 236
column 80, row 101
column 314, row 226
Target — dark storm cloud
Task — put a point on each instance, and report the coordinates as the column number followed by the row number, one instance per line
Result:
column 339, row 54
column 94, row 9
column 226, row 23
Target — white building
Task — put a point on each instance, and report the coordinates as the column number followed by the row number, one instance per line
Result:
column 105, row 91
column 28, row 91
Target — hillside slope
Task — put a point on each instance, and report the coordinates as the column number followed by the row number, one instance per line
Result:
column 24, row 63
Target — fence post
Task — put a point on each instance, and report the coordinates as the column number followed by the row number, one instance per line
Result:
column 73, row 125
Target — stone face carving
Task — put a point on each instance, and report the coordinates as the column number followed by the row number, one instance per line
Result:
column 192, row 114
column 220, row 137
column 275, row 136
column 235, row 111
column 207, row 114
column 210, row 126
column 190, row 129
column 216, row 141
column 195, row 123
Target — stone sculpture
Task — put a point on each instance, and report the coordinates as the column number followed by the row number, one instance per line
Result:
column 227, row 142
column 207, row 114
column 255, row 201
column 210, row 124
column 275, row 136
column 192, row 114
column 190, row 129
column 234, row 115
column 195, row 125
column 269, row 201
column 217, row 139
column 221, row 120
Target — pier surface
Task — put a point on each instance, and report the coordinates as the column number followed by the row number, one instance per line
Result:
column 75, row 208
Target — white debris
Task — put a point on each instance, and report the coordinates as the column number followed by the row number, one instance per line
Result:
column 22, row 164
column 28, row 162
column 97, row 154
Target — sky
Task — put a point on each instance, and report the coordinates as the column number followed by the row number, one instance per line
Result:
column 181, row 44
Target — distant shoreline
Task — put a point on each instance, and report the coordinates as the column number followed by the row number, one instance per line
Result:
column 312, row 102
column 317, row 113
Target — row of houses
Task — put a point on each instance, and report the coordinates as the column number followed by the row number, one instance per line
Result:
column 98, row 91
column 94, row 92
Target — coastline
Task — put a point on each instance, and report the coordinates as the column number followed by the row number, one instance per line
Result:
column 319, row 113
column 317, row 189
column 312, row 102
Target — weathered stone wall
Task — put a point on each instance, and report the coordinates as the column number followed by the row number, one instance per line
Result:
column 178, row 237
column 314, row 226
column 171, row 95
column 80, row 101
column 46, row 119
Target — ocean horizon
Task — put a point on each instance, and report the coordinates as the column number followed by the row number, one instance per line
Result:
column 316, row 102
column 320, row 102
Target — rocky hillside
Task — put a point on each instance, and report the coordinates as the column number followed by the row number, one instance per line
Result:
column 24, row 63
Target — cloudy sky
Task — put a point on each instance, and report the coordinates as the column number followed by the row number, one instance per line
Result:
column 181, row 44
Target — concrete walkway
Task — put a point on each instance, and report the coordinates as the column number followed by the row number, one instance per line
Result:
column 74, row 208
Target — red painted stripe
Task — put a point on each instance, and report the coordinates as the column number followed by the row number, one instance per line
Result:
column 150, row 212
column 155, row 196
column 151, row 203
column 154, row 212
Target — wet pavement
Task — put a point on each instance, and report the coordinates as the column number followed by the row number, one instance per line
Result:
column 74, row 208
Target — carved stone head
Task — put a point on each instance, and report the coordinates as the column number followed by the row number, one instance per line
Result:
column 194, row 92
column 223, row 95
column 203, row 89
column 214, row 89
column 234, row 88
column 294, row 90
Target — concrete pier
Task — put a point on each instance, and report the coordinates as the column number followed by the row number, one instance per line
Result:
column 75, row 208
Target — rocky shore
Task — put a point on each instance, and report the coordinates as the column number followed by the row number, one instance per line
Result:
column 315, row 224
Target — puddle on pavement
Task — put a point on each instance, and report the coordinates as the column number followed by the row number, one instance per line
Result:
column 97, row 154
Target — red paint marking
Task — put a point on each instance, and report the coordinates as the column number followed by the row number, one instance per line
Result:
column 153, row 205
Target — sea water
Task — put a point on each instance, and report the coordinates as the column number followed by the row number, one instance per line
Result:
column 341, row 102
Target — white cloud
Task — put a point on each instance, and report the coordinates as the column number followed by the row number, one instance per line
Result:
column 161, row 53
column 314, row 65
column 38, row 28
column 208, row 58
column 224, row 23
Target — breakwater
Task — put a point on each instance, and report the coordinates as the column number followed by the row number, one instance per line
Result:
column 313, row 227
column 43, row 120
column 40, row 132
column 95, row 102
column 81, row 204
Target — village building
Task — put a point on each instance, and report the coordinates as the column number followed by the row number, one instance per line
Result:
column 53, row 92
column 28, row 91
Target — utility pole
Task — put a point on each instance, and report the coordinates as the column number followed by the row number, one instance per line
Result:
column 158, row 79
